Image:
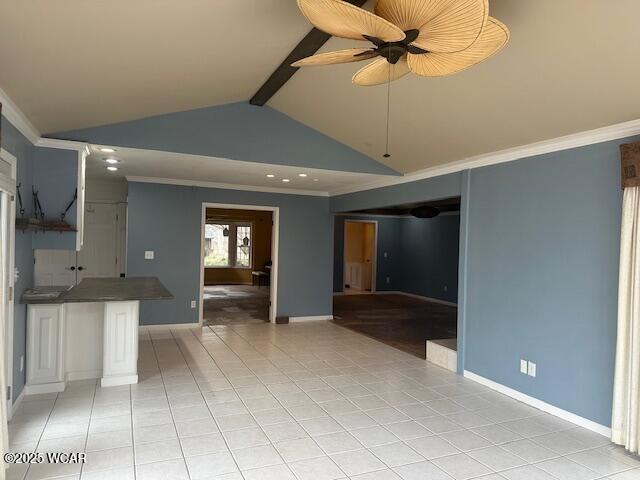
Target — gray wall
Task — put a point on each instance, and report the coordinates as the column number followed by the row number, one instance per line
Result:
column 238, row 131
column 539, row 276
column 166, row 219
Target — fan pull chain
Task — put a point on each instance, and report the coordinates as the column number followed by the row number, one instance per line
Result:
column 386, row 148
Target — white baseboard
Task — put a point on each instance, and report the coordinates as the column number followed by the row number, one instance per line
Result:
column 118, row 380
column 16, row 404
column 419, row 297
column 83, row 375
column 540, row 405
column 310, row 319
column 174, row 326
column 56, row 387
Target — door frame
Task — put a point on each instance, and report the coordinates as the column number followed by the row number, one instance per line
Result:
column 8, row 186
column 374, row 266
column 275, row 234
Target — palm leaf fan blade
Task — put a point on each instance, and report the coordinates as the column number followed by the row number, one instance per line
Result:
column 341, row 19
column 454, row 26
column 494, row 36
column 340, row 56
column 377, row 72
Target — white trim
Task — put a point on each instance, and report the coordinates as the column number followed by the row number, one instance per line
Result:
column 63, row 144
column 225, row 186
column 172, row 326
column 118, row 380
column 275, row 239
column 575, row 140
column 83, row 375
column 54, row 387
column 412, row 295
column 16, row 405
column 540, row 405
column 374, row 267
column 312, row 318
column 18, row 119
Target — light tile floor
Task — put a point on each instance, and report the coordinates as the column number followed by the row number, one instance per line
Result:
column 304, row 401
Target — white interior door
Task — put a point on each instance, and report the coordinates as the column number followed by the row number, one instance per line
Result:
column 98, row 257
column 54, row 267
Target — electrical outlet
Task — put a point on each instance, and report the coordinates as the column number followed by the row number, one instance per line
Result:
column 388, row 279
column 524, row 366
column 149, row 254
column 532, row 369
column 193, row 304
column 22, row 363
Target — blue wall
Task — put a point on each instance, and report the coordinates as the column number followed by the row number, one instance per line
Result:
column 422, row 255
column 238, row 131
column 166, row 219
column 544, row 239
column 540, row 270
column 16, row 144
column 55, row 177
column 430, row 256
column 388, row 241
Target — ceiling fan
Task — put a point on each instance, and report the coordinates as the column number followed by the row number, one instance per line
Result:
column 430, row 38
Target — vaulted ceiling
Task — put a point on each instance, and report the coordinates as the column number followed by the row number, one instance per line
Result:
column 571, row 65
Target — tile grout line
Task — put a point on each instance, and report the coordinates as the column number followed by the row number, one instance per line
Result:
column 164, row 386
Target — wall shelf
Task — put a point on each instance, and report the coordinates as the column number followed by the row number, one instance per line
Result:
column 37, row 225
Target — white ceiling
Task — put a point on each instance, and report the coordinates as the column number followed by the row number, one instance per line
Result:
column 194, row 169
column 571, row 65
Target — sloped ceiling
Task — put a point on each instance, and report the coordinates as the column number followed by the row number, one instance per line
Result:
column 571, row 65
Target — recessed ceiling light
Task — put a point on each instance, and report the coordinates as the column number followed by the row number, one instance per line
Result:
column 302, row 174
column 286, row 180
column 112, row 160
column 112, row 169
column 315, row 179
column 107, row 150
column 270, row 175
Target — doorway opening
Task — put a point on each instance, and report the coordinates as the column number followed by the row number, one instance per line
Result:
column 360, row 243
column 414, row 258
column 238, row 268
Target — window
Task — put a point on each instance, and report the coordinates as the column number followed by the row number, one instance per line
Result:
column 227, row 245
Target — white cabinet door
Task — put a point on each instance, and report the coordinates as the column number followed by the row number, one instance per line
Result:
column 54, row 267
column 100, row 250
column 120, row 350
column 45, row 355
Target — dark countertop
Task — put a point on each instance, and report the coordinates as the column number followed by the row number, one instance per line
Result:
column 100, row 290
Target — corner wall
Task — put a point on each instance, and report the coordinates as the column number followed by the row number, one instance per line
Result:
column 166, row 219
column 539, row 281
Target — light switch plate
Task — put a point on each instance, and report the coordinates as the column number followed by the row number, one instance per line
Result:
column 532, row 369
column 149, row 254
column 524, row 368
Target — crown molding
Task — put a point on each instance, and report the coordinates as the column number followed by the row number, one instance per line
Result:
column 63, row 144
column 575, row 140
column 225, row 186
column 18, row 119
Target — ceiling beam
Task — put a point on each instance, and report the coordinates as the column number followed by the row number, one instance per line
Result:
column 309, row 45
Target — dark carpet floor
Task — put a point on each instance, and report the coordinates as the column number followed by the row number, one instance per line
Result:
column 235, row 304
column 403, row 322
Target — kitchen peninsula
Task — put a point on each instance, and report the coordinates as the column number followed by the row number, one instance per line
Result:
column 86, row 331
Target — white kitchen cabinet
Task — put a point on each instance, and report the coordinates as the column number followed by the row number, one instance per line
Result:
column 45, row 348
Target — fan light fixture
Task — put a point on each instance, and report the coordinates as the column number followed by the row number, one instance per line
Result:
column 430, row 38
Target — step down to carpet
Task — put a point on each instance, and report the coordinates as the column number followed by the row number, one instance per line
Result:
column 443, row 353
